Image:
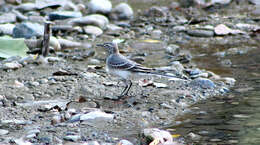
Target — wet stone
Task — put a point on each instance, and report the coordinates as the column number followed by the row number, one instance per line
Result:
column 28, row 30
column 201, row 33
column 61, row 15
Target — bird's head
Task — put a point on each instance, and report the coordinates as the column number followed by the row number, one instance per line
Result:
column 110, row 47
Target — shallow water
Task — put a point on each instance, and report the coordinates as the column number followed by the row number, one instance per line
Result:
column 233, row 118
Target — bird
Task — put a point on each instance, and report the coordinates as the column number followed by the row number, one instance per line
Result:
column 119, row 65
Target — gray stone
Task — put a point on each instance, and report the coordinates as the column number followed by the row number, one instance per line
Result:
column 203, row 83
column 94, row 19
column 100, row 6
column 61, row 15
column 28, row 30
column 122, row 12
column 201, row 33
column 7, row 18
column 93, row 30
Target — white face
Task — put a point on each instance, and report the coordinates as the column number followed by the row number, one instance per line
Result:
column 110, row 47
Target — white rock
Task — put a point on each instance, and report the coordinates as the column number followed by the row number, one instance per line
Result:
column 93, row 30
column 12, row 65
column 94, row 19
column 7, row 29
column 97, row 116
column 100, row 6
column 125, row 142
column 3, row 132
column 122, row 12
column 155, row 133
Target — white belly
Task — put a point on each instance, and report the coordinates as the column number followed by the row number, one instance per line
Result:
column 121, row 73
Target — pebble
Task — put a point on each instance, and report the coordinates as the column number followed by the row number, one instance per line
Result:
column 94, row 19
column 26, row 7
column 28, row 30
column 18, row 84
column 72, row 138
column 61, row 15
column 100, row 6
column 122, row 11
column 7, row 18
column 3, row 132
column 11, row 65
column 17, row 122
column 215, row 140
column 156, row 34
column 222, row 29
column 113, row 27
column 203, row 83
column 96, row 116
column 155, row 133
column 173, row 49
column 194, row 136
column 124, row 142
column 93, row 30
column 93, row 143
column 6, row 29
column 201, row 33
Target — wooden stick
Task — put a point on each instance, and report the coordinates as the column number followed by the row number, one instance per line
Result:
column 46, row 39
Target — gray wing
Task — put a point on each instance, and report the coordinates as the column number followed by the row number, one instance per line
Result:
column 121, row 62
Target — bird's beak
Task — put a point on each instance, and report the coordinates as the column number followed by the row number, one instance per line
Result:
column 100, row 45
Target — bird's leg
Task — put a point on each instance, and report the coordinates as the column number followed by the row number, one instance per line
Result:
column 126, row 86
column 129, row 86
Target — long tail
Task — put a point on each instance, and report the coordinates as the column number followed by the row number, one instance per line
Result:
column 152, row 71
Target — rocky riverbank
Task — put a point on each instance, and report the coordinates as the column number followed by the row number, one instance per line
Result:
column 67, row 97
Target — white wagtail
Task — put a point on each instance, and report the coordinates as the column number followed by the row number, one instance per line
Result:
column 119, row 65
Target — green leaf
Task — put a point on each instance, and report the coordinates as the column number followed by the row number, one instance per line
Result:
column 12, row 47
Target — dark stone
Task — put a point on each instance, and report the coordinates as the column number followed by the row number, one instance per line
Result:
column 61, row 15
column 28, row 30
